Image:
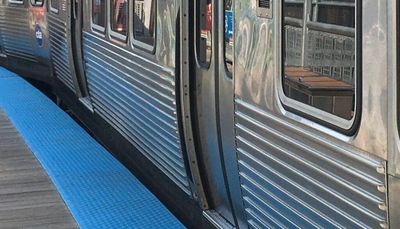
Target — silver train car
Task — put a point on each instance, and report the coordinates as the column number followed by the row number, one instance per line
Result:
column 235, row 113
column 24, row 45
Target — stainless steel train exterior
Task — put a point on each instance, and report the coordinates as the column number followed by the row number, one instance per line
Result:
column 24, row 45
column 236, row 113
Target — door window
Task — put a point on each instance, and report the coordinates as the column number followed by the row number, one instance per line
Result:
column 228, row 35
column 319, row 55
column 204, row 31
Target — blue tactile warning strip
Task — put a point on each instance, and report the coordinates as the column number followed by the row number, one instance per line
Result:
column 98, row 190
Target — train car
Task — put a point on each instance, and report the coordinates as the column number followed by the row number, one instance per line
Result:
column 240, row 113
column 24, row 42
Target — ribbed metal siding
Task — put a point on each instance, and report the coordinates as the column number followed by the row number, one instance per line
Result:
column 138, row 99
column 290, row 179
column 59, row 50
column 15, row 32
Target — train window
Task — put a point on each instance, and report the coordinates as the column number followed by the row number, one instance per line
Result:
column 99, row 12
column 54, row 5
column 228, row 37
column 119, row 16
column 144, row 21
column 319, row 54
column 204, row 34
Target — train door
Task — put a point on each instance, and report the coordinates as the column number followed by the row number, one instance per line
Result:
column 77, row 52
column 65, row 26
column 212, row 88
column 306, row 157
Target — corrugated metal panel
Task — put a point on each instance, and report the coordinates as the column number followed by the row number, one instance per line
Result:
column 138, row 99
column 289, row 178
column 15, row 33
column 59, row 50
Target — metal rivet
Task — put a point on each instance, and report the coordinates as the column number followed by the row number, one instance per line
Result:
column 381, row 188
column 382, row 207
column 380, row 170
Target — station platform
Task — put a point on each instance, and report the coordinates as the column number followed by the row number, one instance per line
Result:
column 53, row 174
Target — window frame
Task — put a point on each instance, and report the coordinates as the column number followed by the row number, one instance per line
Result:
column 95, row 27
column 114, row 34
column 137, row 43
column 334, row 122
